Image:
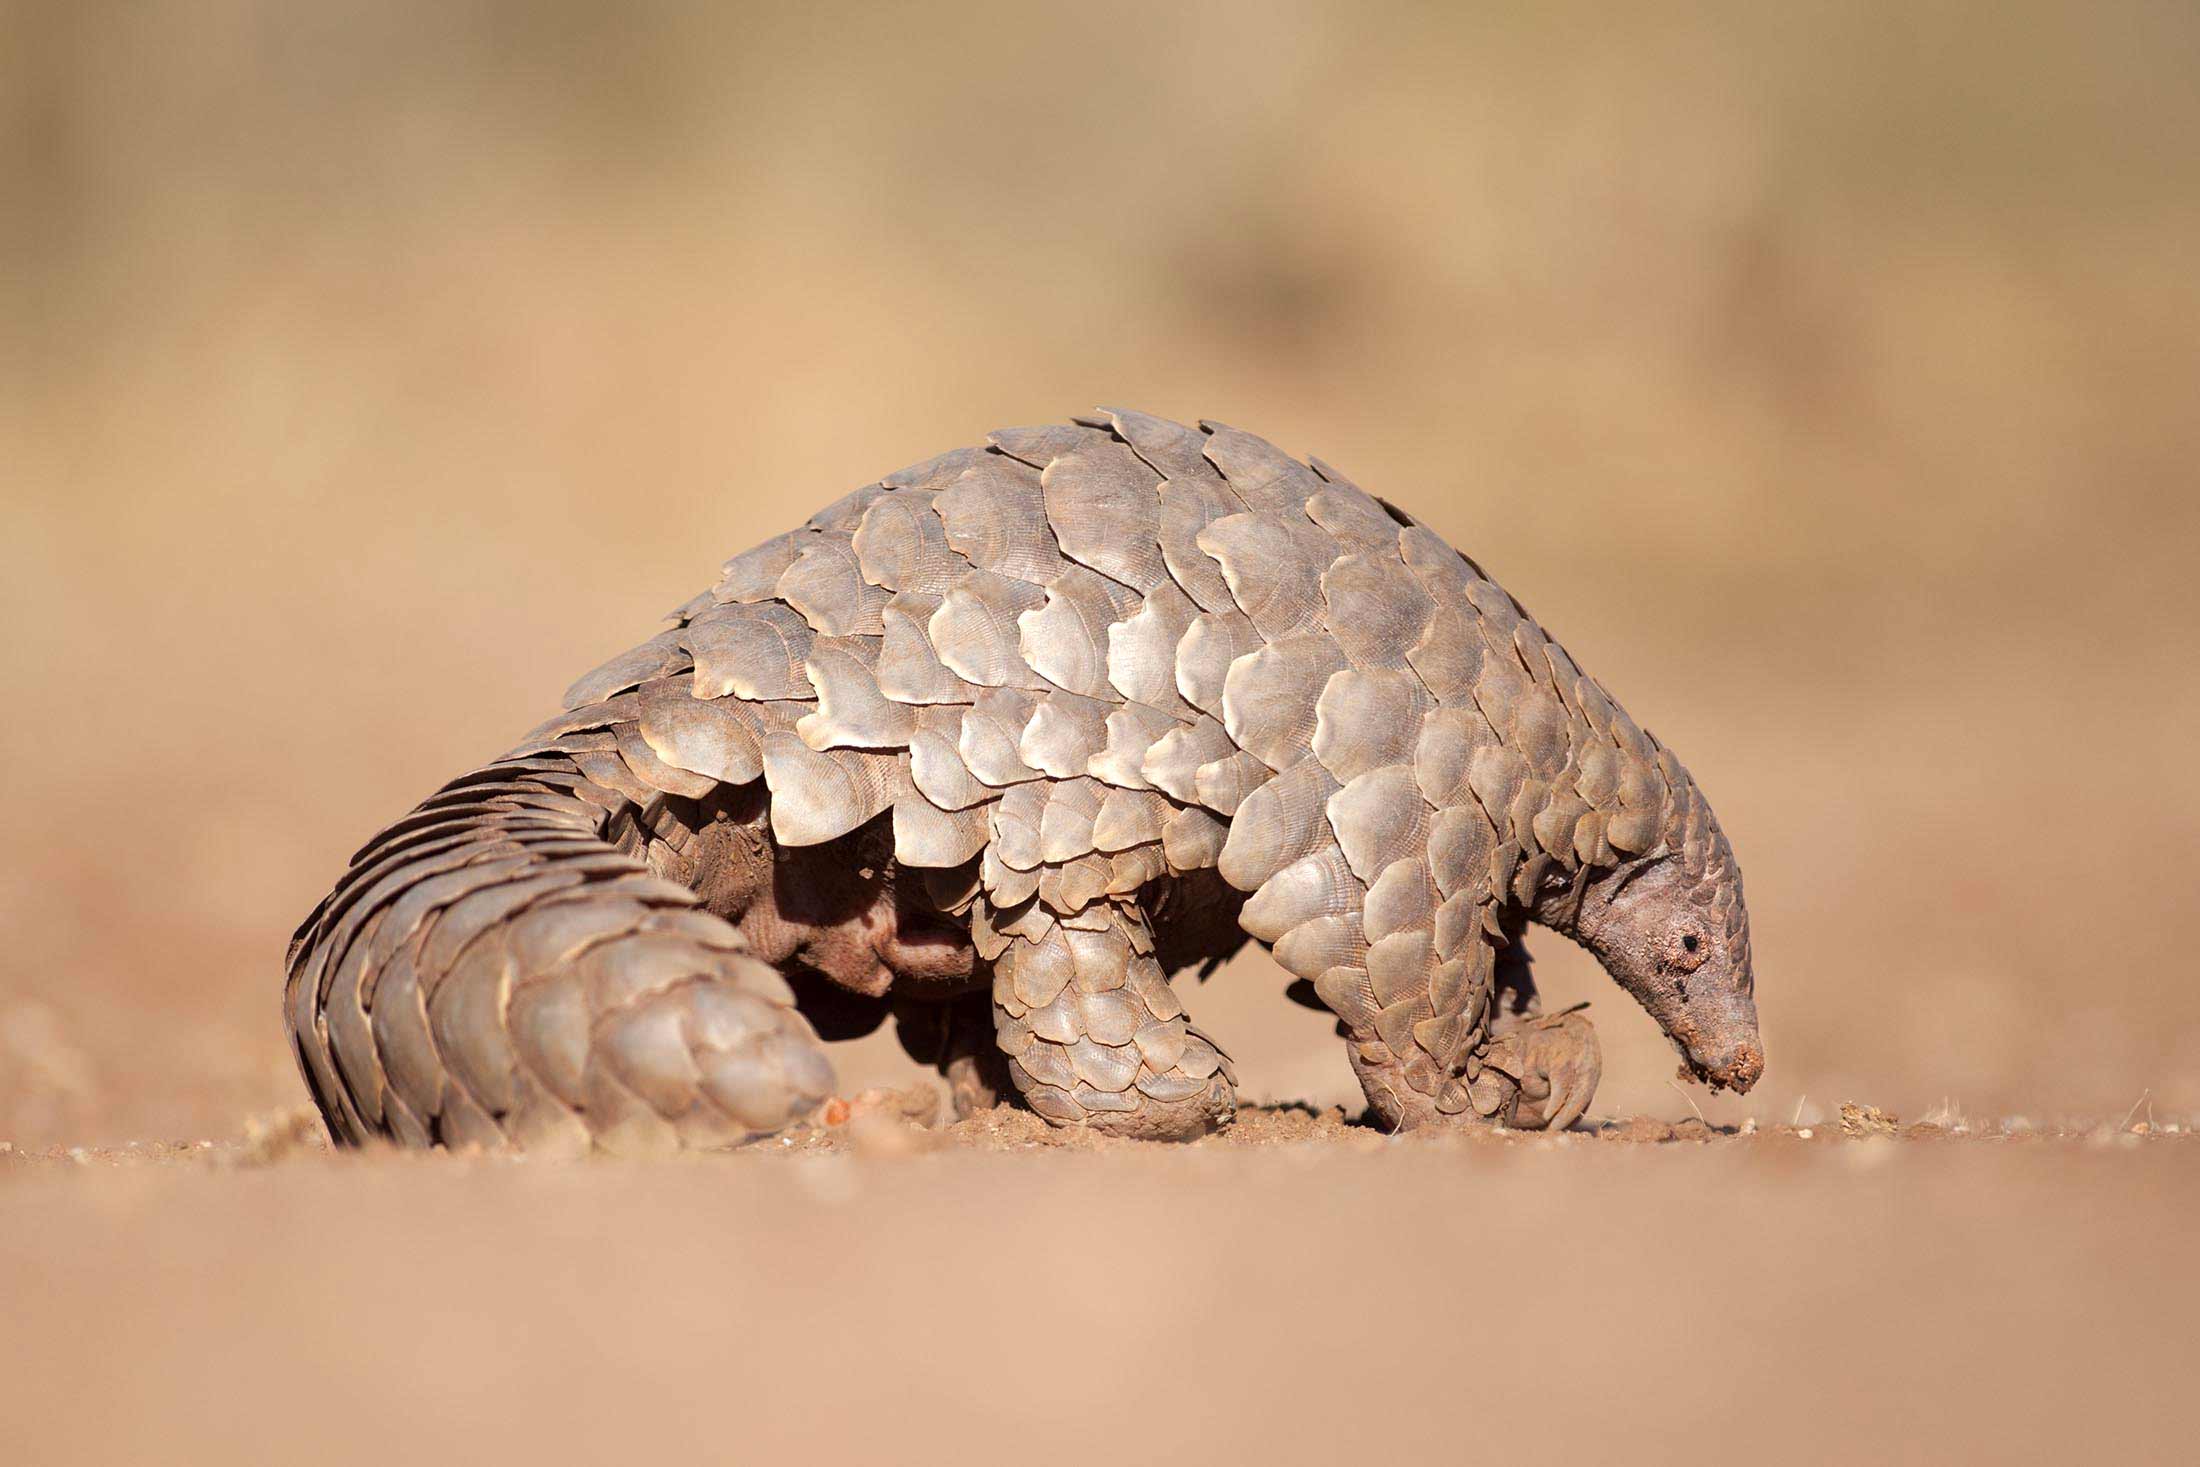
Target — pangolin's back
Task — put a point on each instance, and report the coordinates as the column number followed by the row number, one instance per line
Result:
column 1099, row 653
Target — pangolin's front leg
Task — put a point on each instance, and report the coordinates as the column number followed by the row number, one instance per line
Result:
column 1553, row 1065
column 1484, row 1055
column 1554, row 1061
column 1094, row 1034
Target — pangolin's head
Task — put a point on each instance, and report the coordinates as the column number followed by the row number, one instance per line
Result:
column 1671, row 929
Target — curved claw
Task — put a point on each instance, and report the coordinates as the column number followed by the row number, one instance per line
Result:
column 1562, row 1063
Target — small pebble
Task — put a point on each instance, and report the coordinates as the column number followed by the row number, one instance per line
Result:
column 1804, row 1133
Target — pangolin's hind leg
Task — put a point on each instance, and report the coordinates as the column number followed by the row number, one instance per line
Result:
column 1094, row 1034
column 955, row 1037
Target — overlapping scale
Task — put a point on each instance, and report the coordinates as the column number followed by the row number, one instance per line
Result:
column 926, row 835
column 1142, row 649
column 1373, row 606
column 1131, row 732
column 851, row 711
column 826, row 585
column 938, row 472
column 1379, row 818
column 1269, row 697
column 1188, row 507
column 660, row 656
column 992, row 729
column 935, row 763
column 1173, row 451
column 995, row 516
column 1263, row 475
column 1040, row 446
column 817, row 797
column 1210, row 644
column 1103, row 503
column 1365, row 720
column 909, row 671
column 975, row 631
column 1064, row 734
column 1173, row 762
column 1274, row 566
column 720, row 738
column 754, row 651
column 1066, row 639
column 753, row 575
column 1277, row 824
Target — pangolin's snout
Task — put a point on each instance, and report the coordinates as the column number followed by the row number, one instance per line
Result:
column 1737, row 1070
column 1723, row 1048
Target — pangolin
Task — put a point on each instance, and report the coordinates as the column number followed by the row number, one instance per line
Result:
column 997, row 744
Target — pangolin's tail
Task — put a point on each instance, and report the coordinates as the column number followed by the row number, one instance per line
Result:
column 500, row 968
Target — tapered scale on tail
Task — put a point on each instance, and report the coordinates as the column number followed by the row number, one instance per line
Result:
column 1057, row 673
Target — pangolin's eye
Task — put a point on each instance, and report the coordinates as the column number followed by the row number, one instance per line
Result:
column 1689, row 950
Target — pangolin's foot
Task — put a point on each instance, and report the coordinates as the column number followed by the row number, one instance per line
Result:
column 1550, row 1067
column 955, row 1037
column 1533, row 1074
column 1211, row 1105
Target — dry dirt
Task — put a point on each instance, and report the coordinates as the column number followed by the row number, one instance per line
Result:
column 1300, row 1290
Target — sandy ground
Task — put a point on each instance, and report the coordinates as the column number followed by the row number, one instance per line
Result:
column 1298, row 1291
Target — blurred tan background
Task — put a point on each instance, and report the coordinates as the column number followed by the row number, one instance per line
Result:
column 1824, row 375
